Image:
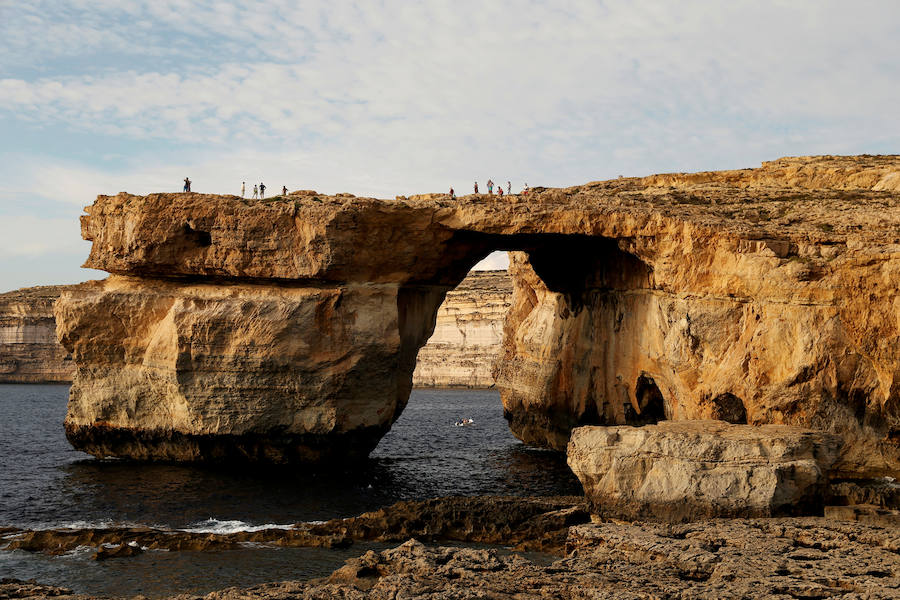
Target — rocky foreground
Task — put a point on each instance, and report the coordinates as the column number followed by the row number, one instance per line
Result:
column 809, row 557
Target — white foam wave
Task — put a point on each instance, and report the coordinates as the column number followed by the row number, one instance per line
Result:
column 217, row 526
column 105, row 524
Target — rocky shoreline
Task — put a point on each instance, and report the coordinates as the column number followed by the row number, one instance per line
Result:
column 796, row 557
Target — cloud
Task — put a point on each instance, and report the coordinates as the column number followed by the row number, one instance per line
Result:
column 394, row 98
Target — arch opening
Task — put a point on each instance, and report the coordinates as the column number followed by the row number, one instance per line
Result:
column 573, row 283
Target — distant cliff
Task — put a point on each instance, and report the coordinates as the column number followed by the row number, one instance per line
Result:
column 467, row 335
column 29, row 352
column 460, row 353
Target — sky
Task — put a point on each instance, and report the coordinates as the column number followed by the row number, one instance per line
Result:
column 385, row 98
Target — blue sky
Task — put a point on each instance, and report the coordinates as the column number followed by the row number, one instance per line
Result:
column 392, row 98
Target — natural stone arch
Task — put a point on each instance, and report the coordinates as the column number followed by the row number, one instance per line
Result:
column 263, row 330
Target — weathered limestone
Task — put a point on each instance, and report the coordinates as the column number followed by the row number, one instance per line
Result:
column 763, row 295
column 467, row 334
column 691, row 470
column 460, row 353
column 29, row 351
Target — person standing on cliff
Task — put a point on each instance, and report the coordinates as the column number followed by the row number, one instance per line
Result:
column 284, row 190
column 452, row 194
column 187, row 184
column 476, row 187
column 490, row 185
column 508, row 189
column 255, row 192
column 262, row 190
column 500, row 190
column 243, row 188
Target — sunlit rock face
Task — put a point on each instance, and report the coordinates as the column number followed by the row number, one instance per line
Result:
column 29, row 352
column 693, row 470
column 468, row 334
column 287, row 329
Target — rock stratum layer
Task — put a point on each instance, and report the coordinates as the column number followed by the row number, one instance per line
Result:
column 468, row 333
column 29, row 351
column 287, row 329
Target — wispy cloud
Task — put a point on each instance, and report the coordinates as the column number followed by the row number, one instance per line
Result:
column 395, row 97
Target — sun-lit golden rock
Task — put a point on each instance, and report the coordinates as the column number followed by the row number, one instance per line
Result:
column 267, row 328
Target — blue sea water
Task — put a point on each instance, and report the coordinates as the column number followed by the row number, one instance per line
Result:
column 45, row 483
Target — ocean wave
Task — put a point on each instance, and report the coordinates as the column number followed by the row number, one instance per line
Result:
column 217, row 526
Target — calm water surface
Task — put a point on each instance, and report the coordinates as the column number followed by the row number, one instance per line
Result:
column 45, row 483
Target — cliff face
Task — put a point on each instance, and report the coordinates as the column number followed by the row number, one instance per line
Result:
column 29, row 352
column 467, row 334
column 288, row 328
column 460, row 353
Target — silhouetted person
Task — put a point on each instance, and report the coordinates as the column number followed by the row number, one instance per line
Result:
column 187, row 184
column 452, row 194
column 243, row 189
column 476, row 187
column 284, row 190
column 508, row 188
column 262, row 190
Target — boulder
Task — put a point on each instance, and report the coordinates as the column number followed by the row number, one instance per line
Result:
column 689, row 470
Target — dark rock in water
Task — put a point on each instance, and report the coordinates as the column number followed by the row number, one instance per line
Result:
column 16, row 588
column 120, row 551
column 532, row 523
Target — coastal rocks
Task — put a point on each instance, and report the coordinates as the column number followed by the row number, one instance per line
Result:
column 467, row 334
column 529, row 523
column 29, row 351
column 777, row 558
column 691, row 470
column 722, row 558
column 765, row 296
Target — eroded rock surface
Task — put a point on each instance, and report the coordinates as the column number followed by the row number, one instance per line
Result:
column 468, row 333
column 763, row 295
column 29, row 351
column 691, row 470
column 723, row 558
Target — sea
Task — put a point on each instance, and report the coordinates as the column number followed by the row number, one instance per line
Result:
column 44, row 483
